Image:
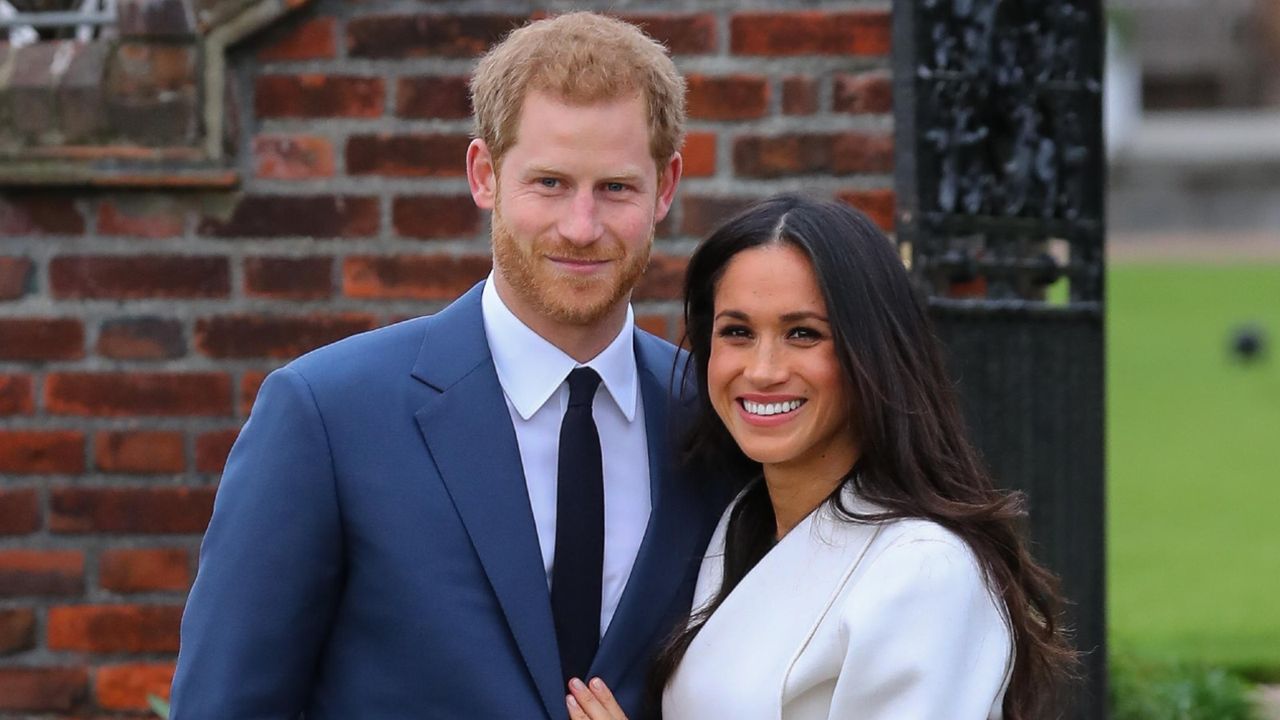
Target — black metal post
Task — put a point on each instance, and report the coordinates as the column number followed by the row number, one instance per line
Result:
column 1000, row 181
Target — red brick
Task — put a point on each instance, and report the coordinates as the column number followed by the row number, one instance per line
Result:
column 434, row 217
column 114, row 628
column 869, row 92
column 656, row 324
column 212, row 449
column 410, row 36
column 879, row 205
column 315, row 39
column 664, row 280
column 115, row 394
column 16, row 395
column 416, row 277
column 15, row 277
column 703, row 214
column 249, row 384
column 124, row 277
column 292, row 157
column 126, row 687
column 130, row 510
column 41, row 572
column 318, row 96
column 140, row 451
column 42, row 690
column 859, row 32
column 799, row 96
column 812, row 154
column 146, row 570
column 433, row 97
column 24, row 213
column 737, row 97
column 699, row 153
column 317, row 216
column 285, row 278
column 148, row 338
column 38, row 339
column 251, row 336
column 17, row 630
column 408, row 155
column 41, row 452
column 150, row 218
column 19, row 511
column 681, row 34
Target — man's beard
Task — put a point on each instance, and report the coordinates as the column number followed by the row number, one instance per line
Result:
column 559, row 296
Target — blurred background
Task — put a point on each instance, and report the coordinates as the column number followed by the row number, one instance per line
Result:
column 1193, row 318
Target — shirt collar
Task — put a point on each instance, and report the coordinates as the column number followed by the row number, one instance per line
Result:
column 531, row 369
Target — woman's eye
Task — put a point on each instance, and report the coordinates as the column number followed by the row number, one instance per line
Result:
column 805, row 333
column 734, row 332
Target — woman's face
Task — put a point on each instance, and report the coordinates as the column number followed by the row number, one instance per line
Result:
column 772, row 375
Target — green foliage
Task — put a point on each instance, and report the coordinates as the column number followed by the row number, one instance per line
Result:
column 158, row 706
column 1150, row 690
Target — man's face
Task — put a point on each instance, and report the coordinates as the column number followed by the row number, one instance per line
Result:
column 574, row 202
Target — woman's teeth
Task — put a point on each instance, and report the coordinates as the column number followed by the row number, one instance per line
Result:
column 756, row 408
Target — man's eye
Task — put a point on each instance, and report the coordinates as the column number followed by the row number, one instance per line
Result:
column 549, row 182
column 615, row 187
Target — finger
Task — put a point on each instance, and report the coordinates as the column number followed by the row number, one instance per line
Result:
column 605, row 696
column 575, row 710
column 588, row 702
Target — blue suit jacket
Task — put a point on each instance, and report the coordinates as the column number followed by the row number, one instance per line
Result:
column 372, row 551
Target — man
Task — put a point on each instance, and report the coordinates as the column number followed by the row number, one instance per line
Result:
column 453, row 516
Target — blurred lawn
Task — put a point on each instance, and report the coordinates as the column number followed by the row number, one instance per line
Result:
column 1193, row 466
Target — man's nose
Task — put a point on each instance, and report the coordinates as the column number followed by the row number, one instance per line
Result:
column 581, row 223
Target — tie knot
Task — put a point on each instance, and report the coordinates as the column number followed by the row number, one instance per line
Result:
column 583, row 382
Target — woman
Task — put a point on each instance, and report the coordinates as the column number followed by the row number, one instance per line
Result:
column 872, row 570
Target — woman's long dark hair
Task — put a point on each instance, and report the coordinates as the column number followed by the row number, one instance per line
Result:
column 916, row 461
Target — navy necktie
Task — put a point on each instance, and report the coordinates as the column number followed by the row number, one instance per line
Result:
column 578, row 567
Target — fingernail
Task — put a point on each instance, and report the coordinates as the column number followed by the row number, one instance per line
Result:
column 576, row 684
column 597, row 683
column 573, row 704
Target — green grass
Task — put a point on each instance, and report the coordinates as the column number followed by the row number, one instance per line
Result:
column 1193, row 469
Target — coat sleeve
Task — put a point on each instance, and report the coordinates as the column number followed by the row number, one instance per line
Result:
column 270, row 567
column 925, row 638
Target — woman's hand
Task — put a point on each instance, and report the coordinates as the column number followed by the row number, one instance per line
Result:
column 593, row 702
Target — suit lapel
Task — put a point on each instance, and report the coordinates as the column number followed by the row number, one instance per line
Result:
column 671, row 541
column 470, row 436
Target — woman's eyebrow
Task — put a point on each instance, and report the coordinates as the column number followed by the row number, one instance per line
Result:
column 733, row 315
column 803, row 315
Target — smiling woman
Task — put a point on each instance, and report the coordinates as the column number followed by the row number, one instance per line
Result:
column 871, row 568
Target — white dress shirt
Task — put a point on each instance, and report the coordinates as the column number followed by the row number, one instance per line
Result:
column 533, row 375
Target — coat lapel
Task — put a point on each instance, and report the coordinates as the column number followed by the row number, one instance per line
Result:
column 470, row 436
column 672, row 543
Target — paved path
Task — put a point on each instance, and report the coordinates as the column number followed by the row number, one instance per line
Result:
column 1194, row 247
column 1269, row 698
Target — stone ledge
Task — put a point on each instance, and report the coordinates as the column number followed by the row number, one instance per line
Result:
column 144, row 109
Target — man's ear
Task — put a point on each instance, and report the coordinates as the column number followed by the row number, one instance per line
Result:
column 482, row 176
column 668, row 179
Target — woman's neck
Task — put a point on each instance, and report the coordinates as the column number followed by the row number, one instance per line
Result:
column 796, row 491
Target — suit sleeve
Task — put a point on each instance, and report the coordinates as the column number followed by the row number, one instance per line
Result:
column 270, row 567
column 925, row 639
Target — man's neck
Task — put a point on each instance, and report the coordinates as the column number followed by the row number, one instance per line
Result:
column 580, row 342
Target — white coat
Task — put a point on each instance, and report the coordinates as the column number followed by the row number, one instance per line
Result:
column 841, row 619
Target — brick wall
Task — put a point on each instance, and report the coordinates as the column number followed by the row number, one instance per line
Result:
column 135, row 327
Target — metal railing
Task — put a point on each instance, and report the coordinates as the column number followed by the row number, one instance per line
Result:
column 26, row 22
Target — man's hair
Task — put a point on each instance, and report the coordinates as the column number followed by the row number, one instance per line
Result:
column 579, row 58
